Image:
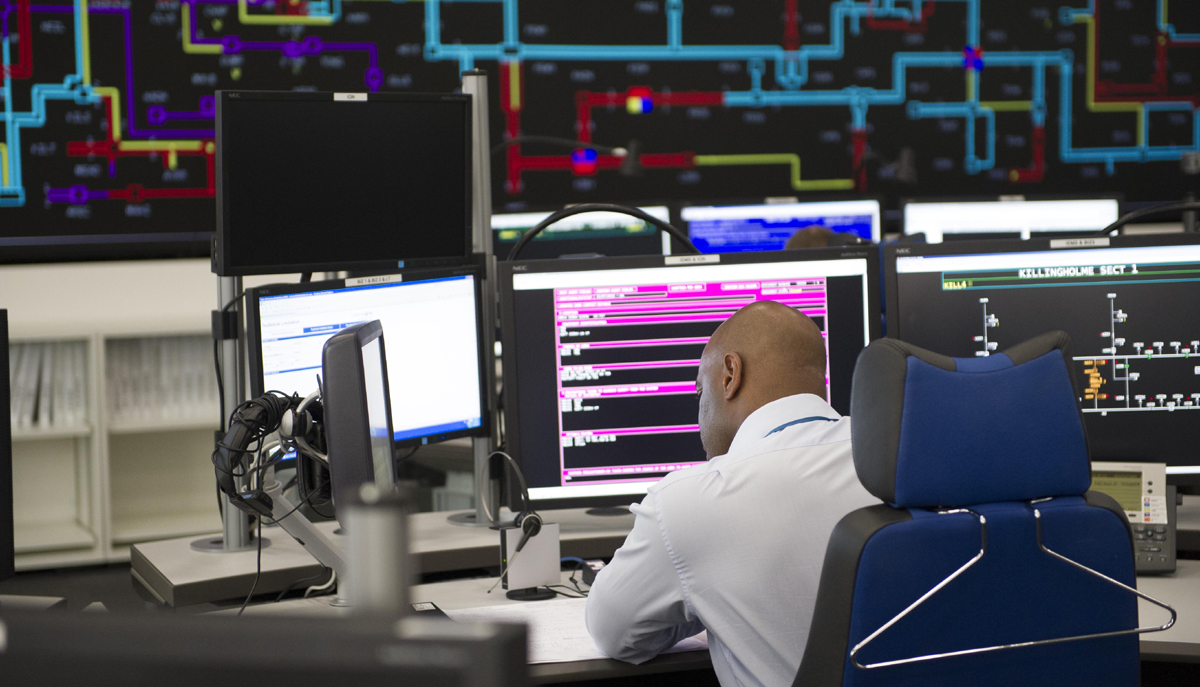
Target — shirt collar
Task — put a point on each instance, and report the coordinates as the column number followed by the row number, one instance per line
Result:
column 777, row 412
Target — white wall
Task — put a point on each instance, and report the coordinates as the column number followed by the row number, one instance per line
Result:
column 136, row 297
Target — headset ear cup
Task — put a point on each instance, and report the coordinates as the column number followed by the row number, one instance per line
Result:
column 531, row 524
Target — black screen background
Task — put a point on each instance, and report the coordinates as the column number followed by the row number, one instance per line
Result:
column 536, row 431
column 946, row 321
column 344, row 182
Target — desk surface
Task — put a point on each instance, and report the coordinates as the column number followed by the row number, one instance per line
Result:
column 1181, row 591
column 473, row 594
column 1180, row 643
column 179, row 576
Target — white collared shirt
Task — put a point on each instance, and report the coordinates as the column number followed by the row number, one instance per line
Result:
column 734, row 546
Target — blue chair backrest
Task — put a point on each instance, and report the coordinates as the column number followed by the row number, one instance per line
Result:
column 991, row 439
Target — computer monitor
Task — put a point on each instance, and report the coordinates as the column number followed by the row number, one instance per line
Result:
column 739, row 228
column 1128, row 304
column 588, row 234
column 1007, row 219
column 355, row 400
column 433, row 339
column 601, row 356
column 341, row 181
column 148, row 650
column 7, row 552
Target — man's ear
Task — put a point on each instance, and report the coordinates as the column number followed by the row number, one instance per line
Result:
column 731, row 377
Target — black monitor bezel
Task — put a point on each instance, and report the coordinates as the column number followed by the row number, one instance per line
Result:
column 1032, row 198
column 7, row 533
column 221, row 260
column 24, row 250
column 507, row 270
column 894, row 250
column 344, row 355
column 254, row 339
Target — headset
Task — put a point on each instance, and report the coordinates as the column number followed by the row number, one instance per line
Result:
column 528, row 519
column 295, row 419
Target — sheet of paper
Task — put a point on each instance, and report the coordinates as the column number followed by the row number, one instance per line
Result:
column 557, row 633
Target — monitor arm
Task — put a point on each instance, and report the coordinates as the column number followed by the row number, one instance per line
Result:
column 327, row 552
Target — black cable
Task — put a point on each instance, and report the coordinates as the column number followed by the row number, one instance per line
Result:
column 552, row 140
column 301, row 581
column 599, row 207
column 1181, row 206
column 289, row 484
column 257, row 572
column 275, row 521
column 408, row 455
column 217, row 362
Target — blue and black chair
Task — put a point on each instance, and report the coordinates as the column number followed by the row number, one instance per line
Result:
column 989, row 562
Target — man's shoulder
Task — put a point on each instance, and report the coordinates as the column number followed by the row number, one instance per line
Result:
column 825, row 437
column 686, row 474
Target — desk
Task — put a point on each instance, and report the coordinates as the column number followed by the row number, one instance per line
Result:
column 176, row 575
column 1187, row 524
column 1179, row 644
column 473, row 593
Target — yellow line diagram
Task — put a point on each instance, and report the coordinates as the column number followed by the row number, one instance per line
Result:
column 114, row 101
column 3, row 165
column 86, row 41
column 194, row 48
column 791, row 159
column 514, row 86
column 1092, row 105
column 1007, row 105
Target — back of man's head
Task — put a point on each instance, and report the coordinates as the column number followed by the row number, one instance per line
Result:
column 765, row 352
column 809, row 237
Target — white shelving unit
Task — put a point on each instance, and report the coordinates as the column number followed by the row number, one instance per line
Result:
column 58, row 518
column 139, row 468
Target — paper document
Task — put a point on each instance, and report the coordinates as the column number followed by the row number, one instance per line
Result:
column 557, row 633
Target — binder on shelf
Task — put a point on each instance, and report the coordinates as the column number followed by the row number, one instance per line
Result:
column 26, row 389
column 45, row 387
column 161, row 379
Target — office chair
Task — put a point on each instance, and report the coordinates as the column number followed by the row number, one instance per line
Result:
column 989, row 562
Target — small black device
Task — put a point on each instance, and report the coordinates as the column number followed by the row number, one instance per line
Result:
column 1142, row 492
column 1127, row 303
column 341, row 181
column 1154, row 545
column 429, row 609
column 358, row 421
column 198, row 651
column 7, row 554
column 601, row 356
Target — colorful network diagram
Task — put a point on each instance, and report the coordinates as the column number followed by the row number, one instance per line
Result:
column 107, row 105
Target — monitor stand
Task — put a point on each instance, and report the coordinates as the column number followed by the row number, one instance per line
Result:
column 609, row 511
column 532, row 594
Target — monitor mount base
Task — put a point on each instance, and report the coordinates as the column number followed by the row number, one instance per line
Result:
column 468, row 520
column 532, row 594
column 609, row 511
column 217, row 545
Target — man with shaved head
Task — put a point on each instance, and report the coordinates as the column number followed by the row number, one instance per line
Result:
column 735, row 546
